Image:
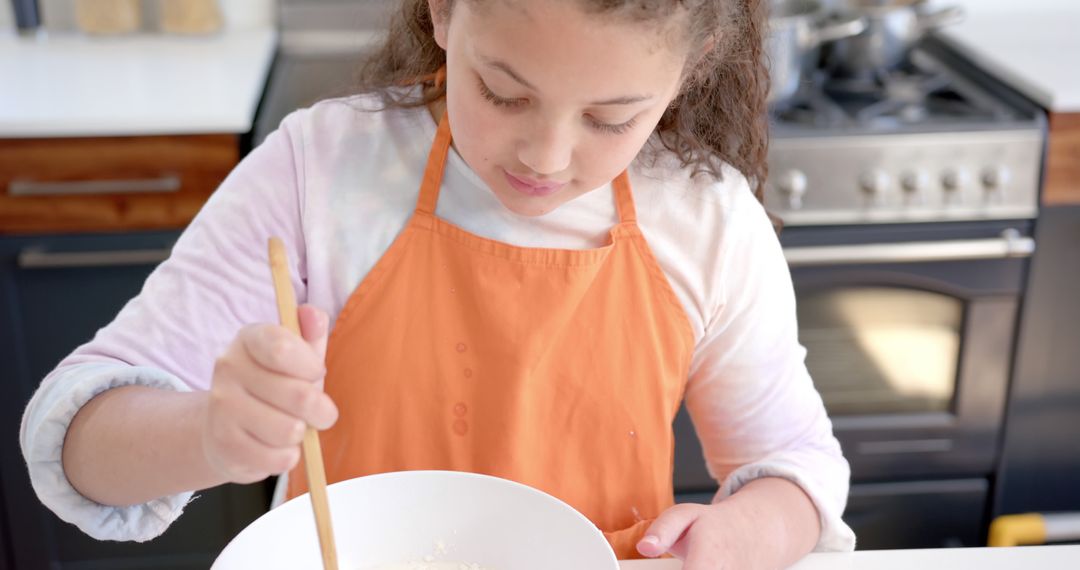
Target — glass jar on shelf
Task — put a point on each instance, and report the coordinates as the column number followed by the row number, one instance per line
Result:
column 108, row 16
column 189, row 16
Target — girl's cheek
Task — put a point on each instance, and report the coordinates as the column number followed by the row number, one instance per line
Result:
column 605, row 159
column 478, row 134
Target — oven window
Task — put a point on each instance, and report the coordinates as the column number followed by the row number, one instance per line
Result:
column 874, row 350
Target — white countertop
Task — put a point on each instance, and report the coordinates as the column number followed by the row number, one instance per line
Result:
column 74, row 85
column 1033, row 49
column 1033, row 557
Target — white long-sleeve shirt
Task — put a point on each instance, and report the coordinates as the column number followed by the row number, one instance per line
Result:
column 337, row 182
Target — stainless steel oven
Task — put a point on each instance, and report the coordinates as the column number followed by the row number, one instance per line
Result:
column 909, row 198
column 909, row 334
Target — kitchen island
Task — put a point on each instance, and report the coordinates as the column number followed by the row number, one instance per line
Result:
column 1034, row 557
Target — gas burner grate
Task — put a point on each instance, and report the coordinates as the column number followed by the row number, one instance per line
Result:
column 921, row 92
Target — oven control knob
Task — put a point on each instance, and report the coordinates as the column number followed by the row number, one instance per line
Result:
column 914, row 181
column 954, row 179
column 996, row 178
column 792, row 184
column 874, row 183
column 914, row 184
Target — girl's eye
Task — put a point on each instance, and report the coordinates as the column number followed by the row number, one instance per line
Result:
column 613, row 129
column 606, row 128
column 495, row 99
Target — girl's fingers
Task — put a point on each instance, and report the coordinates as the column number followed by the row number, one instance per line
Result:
column 267, row 424
column 235, row 450
column 263, row 461
column 275, row 348
column 667, row 529
column 314, row 328
column 297, row 398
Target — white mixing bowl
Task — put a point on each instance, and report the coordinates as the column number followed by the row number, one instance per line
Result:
column 396, row 518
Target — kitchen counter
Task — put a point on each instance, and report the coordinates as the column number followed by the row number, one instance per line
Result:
column 146, row 84
column 1036, row 557
column 1032, row 49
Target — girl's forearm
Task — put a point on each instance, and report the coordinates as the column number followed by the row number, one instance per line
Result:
column 133, row 444
column 784, row 515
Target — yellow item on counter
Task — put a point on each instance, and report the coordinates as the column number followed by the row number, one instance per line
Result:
column 1015, row 530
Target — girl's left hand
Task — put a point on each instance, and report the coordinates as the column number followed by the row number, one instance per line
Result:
column 705, row 537
column 769, row 523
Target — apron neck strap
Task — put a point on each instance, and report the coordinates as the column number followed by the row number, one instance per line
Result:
column 436, row 165
column 624, row 198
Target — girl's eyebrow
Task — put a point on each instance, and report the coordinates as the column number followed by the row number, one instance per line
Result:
column 505, row 68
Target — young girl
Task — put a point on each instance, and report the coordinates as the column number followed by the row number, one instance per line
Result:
column 532, row 238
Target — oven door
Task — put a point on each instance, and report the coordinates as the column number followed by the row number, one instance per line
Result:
column 909, row 336
column 910, row 345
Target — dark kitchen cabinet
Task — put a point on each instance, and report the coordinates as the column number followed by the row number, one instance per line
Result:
column 1040, row 467
column 918, row 514
column 5, row 547
column 1040, row 464
column 55, row 292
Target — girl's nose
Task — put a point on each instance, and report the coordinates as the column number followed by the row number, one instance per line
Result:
column 547, row 148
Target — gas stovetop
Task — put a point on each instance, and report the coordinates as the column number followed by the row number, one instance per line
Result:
column 934, row 140
column 921, row 93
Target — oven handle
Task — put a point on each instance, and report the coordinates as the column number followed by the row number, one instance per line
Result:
column 1010, row 245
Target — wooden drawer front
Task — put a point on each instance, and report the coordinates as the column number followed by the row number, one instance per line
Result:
column 1063, row 160
column 106, row 184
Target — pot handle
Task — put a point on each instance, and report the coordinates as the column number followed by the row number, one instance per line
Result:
column 832, row 31
column 941, row 18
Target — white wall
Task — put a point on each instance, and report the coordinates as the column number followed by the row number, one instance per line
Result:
column 246, row 14
column 998, row 6
column 7, row 17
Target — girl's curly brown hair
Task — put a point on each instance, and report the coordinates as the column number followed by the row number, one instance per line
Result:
column 718, row 117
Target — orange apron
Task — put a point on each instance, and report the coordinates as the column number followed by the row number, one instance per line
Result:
column 559, row 369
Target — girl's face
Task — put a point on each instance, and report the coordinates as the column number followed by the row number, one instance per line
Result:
column 548, row 102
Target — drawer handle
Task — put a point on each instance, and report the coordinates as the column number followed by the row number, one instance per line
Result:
column 38, row 259
column 163, row 184
column 905, row 446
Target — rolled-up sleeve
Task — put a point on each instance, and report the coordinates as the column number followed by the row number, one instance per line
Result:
column 44, row 427
column 215, row 281
column 752, row 401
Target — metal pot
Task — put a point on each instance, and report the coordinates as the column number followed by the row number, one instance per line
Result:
column 796, row 33
column 893, row 27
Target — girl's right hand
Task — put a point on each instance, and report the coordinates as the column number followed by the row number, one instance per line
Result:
column 266, row 389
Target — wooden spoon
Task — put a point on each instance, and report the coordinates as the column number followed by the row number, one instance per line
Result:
column 313, row 461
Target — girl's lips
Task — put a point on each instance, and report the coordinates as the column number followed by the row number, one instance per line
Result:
column 533, row 187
